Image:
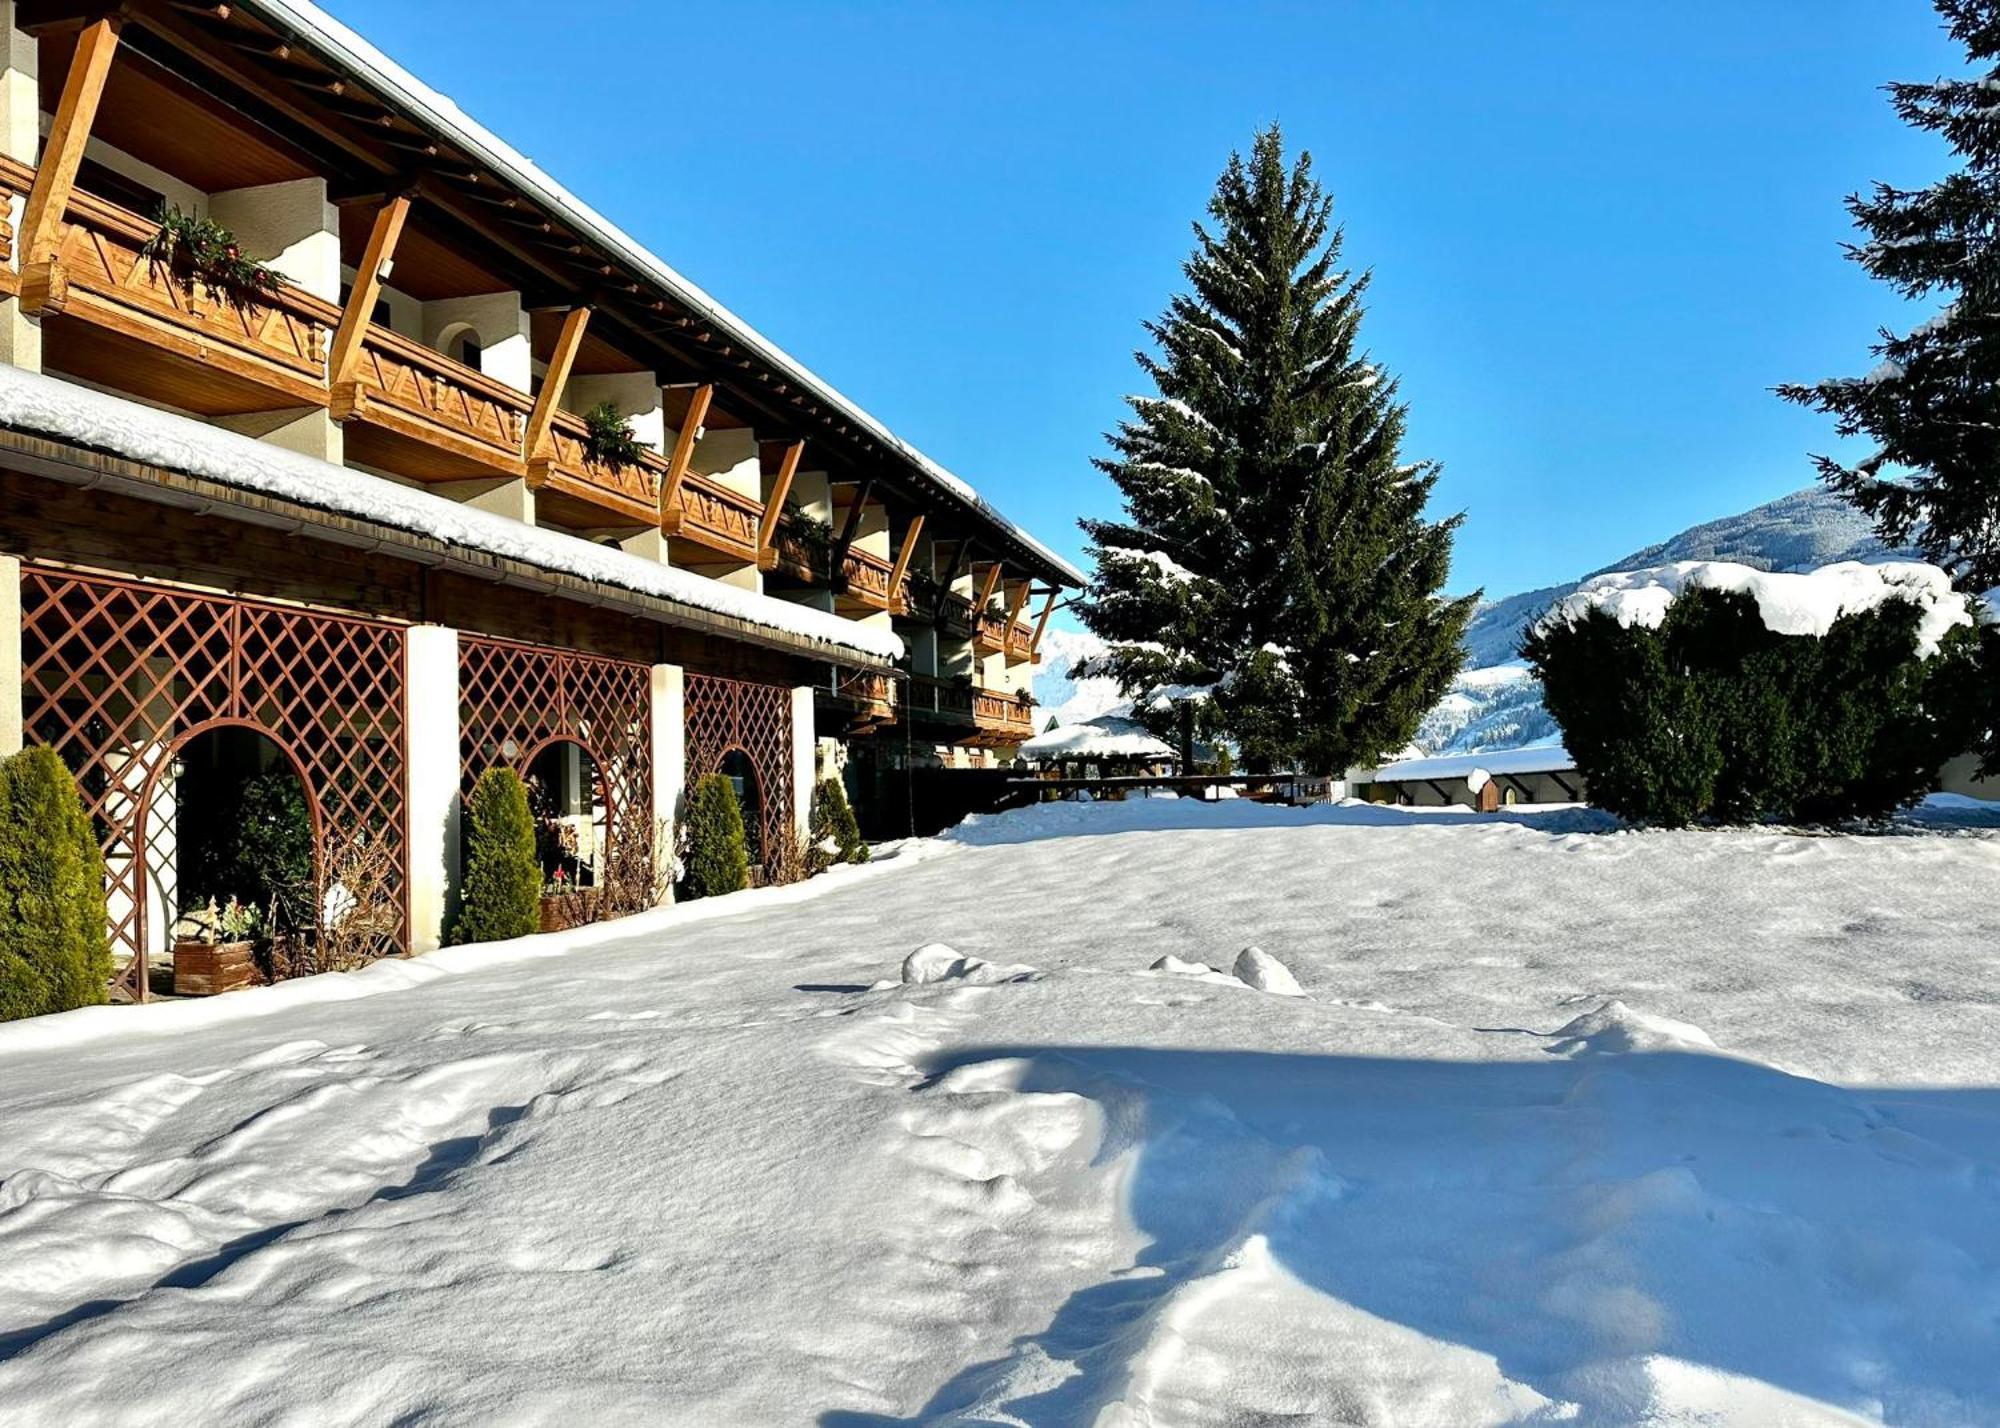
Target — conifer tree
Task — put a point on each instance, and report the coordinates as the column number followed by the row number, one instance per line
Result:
column 1931, row 406
column 1273, row 579
column 502, row 893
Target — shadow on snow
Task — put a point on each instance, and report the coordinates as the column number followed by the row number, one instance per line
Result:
column 1568, row 1216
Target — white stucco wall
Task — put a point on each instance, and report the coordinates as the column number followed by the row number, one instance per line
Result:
column 291, row 227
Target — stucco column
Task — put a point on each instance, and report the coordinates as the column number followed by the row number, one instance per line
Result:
column 432, row 779
column 11, row 731
column 804, row 750
column 669, row 750
column 20, row 138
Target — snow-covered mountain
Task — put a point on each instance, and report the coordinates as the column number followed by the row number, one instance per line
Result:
column 1063, row 696
column 1496, row 703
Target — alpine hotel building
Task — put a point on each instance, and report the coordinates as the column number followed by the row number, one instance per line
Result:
column 372, row 520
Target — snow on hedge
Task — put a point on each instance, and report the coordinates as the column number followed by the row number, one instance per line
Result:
column 1791, row 603
column 47, row 406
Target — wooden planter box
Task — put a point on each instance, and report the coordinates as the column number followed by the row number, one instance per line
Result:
column 566, row 910
column 202, row 969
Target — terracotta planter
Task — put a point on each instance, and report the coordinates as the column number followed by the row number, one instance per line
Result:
column 566, row 910
column 202, row 969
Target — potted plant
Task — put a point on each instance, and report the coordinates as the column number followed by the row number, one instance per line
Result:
column 811, row 537
column 609, row 439
column 198, row 253
column 566, row 903
column 215, row 949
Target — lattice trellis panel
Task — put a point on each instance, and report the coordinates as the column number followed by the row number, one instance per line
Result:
column 117, row 675
column 513, row 699
column 726, row 714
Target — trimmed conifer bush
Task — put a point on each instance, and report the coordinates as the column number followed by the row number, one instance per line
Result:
column 718, row 859
column 1712, row 717
column 836, row 836
column 502, row 892
column 55, row 950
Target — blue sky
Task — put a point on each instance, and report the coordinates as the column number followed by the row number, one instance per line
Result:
column 1600, row 233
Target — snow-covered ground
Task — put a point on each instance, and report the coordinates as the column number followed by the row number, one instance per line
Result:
column 1570, row 1125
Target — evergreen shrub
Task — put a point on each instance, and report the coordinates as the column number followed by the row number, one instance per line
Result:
column 502, row 891
column 718, row 858
column 835, row 835
column 55, row 950
column 1711, row 717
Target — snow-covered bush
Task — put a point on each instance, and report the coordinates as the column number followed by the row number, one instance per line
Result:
column 1709, row 692
column 835, row 835
column 55, row 950
column 502, row 892
column 718, row 858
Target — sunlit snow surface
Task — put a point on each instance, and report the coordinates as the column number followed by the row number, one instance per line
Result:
column 1570, row 1125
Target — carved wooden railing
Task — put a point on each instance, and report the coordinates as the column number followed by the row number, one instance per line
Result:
column 866, row 577
column 989, row 635
column 944, row 698
column 873, row 692
column 403, row 384
column 1002, row 715
column 955, row 614
column 630, row 492
column 709, row 514
column 99, row 274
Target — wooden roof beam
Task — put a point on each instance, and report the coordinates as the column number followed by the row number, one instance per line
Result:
column 554, row 379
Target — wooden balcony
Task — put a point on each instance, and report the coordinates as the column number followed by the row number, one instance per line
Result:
column 418, row 413
column 864, row 585
column 1001, row 718
column 955, row 616
column 581, row 493
column 941, row 701
column 865, row 697
column 113, row 316
column 720, row 521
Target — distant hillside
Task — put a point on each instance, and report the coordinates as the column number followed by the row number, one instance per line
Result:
column 1496, row 703
column 1808, row 528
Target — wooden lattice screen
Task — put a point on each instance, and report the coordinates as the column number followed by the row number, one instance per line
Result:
column 755, row 719
column 515, row 699
column 117, row 675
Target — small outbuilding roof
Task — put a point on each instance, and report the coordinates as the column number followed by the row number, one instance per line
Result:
column 1108, row 736
column 1476, row 769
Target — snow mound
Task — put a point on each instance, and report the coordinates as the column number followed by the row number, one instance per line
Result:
column 936, row 962
column 1790, row 604
column 1257, row 968
column 1614, row 1028
column 1175, row 967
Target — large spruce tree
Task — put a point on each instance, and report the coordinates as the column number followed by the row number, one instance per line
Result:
column 1931, row 406
column 1273, row 580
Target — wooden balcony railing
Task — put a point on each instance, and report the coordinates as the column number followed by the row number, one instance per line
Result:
column 865, row 578
column 99, row 277
column 955, row 614
column 620, row 492
column 1001, row 717
column 942, row 699
column 871, row 695
column 415, row 392
column 712, row 516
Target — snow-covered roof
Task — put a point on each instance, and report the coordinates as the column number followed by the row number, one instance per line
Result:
column 314, row 26
column 1476, row 769
column 1789, row 603
column 1107, row 737
column 47, row 406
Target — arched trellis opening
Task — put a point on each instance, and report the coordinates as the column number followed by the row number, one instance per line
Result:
column 740, row 769
column 227, row 822
column 572, row 804
column 118, row 674
column 517, row 700
column 727, row 716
